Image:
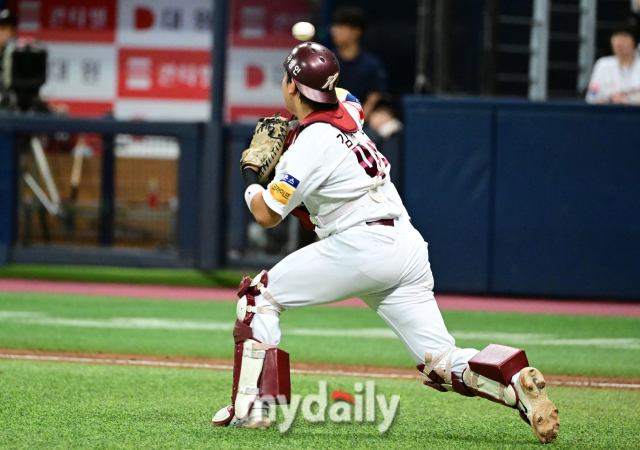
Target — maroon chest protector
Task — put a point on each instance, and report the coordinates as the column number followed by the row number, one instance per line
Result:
column 339, row 118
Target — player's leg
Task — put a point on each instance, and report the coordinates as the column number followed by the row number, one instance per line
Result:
column 339, row 267
column 354, row 261
column 260, row 370
column 498, row 374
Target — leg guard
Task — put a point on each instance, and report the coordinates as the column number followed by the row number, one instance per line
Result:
column 260, row 371
column 442, row 380
column 487, row 375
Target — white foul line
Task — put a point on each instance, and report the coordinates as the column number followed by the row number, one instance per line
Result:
column 187, row 365
column 145, row 323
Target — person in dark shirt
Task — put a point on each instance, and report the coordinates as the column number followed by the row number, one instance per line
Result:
column 361, row 72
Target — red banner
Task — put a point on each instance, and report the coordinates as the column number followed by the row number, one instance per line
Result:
column 164, row 74
column 68, row 20
column 256, row 23
column 150, row 59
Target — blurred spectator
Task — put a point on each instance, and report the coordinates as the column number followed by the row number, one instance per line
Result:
column 635, row 9
column 385, row 129
column 616, row 79
column 8, row 31
column 8, row 26
column 383, row 118
column 361, row 72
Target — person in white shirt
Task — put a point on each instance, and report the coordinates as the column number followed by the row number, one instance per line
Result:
column 367, row 249
column 635, row 9
column 616, row 79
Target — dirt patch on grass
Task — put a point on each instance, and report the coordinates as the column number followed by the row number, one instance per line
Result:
column 300, row 368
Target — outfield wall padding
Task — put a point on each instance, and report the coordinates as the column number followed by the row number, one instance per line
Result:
column 447, row 189
column 7, row 196
column 536, row 199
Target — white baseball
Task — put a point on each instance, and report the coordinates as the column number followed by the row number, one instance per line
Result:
column 303, row 31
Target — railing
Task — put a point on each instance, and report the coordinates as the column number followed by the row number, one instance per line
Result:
column 115, row 208
column 246, row 243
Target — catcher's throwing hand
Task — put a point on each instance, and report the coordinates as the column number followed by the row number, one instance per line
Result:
column 267, row 146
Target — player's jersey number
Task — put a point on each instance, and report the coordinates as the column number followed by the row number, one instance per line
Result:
column 368, row 158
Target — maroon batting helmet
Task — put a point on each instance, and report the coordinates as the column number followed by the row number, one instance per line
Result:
column 315, row 70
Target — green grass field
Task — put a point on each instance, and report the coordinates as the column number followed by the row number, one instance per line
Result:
column 319, row 334
column 165, row 277
column 52, row 405
column 59, row 405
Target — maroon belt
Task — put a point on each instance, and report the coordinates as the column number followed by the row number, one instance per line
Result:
column 385, row 222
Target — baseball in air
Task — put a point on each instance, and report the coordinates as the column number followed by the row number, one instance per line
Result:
column 303, row 31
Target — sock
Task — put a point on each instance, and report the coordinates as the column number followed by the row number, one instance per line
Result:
column 514, row 379
column 260, row 404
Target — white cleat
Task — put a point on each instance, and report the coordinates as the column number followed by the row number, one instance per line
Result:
column 536, row 406
column 258, row 419
column 222, row 417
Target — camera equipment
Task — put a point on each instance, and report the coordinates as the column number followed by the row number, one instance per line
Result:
column 24, row 73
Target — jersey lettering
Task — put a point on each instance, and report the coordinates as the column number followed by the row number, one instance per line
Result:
column 367, row 158
column 291, row 180
column 282, row 191
column 344, row 140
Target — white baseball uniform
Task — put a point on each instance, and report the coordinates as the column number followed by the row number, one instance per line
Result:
column 386, row 266
column 609, row 78
column 367, row 249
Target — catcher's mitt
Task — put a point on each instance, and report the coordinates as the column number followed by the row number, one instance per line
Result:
column 267, row 145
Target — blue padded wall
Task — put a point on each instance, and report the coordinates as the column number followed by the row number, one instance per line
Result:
column 446, row 187
column 534, row 199
column 7, row 194
column 567, row 201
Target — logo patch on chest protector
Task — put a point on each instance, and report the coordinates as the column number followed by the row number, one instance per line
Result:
column 282, row 191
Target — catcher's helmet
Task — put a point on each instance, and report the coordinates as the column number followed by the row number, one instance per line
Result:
column 315, row 70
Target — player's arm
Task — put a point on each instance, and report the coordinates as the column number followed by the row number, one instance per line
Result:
column 264, row 215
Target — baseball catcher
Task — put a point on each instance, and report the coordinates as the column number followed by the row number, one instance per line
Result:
column 326, row 171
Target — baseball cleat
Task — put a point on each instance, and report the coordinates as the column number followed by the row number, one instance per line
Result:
column 536, row 406
column 258, row 419
column 223, row 417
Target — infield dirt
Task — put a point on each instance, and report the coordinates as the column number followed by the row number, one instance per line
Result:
column 632, row 384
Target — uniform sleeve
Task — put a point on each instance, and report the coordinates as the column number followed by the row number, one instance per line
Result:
column 299, row 173
column 600, row 83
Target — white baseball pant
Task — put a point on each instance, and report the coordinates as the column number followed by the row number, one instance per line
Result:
column 387, row 267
